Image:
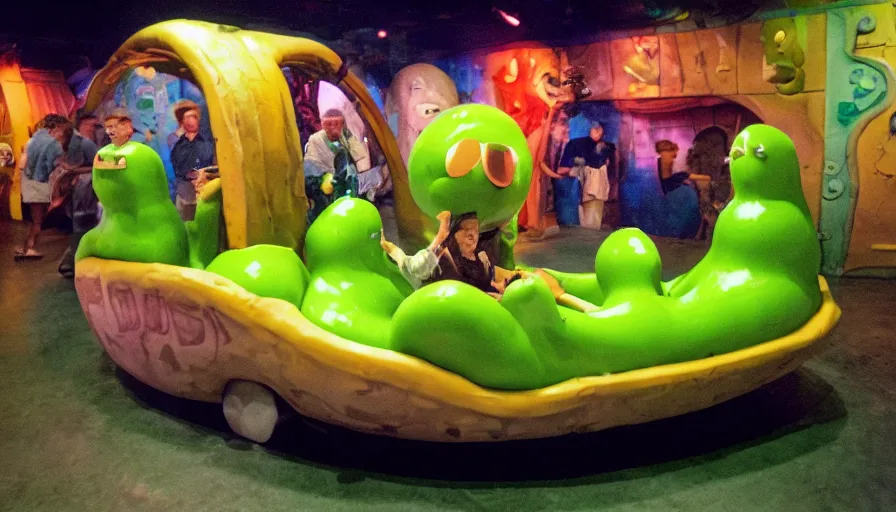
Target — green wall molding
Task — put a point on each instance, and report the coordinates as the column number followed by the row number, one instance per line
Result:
column 857, row 90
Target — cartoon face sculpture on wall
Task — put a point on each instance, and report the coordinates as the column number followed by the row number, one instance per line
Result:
column 527, row 84
column 783, row 57
column 644, row 66
column 538, row 73
column 418, row 94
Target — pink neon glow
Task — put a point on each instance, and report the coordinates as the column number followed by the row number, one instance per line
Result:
column 511, row 20
column 382, row 34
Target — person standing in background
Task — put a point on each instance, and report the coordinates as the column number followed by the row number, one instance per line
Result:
column 667, row 152
column 89, row 127
column 41, row 155
column 540, row 202
column 557, row 141
column 193, row 151
column 333, row 159
column 78, row 164
column 591, row 156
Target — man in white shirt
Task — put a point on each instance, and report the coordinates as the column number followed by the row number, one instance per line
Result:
column 334, row 151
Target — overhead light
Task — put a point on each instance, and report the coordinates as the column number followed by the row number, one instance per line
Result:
column 510, row 20
column 382, row 34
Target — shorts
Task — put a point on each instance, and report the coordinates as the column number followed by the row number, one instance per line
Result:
column 35, row 191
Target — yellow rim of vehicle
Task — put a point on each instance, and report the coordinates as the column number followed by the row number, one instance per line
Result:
column 429, row 381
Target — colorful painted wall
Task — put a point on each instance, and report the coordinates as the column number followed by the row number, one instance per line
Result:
column 859, row 226
column 26, row 96
column 823, row 75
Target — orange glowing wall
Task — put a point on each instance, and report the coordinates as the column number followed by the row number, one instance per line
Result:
column 27, row 95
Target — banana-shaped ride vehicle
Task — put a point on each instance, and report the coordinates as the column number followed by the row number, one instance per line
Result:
column 343, row 337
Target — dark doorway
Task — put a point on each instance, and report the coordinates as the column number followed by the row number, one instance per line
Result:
column 706, row 160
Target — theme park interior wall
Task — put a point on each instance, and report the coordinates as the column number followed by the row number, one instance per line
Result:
column 7, row 172
column 711, row 62
column 47, row 93
column 873, row 240
column 740, row 63
column 28, row 95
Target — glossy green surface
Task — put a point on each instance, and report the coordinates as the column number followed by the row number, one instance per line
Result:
column 434, row 191
column 758, row 282
column 204, row 230
column 140, row 223
column 265, row 270
column 82, row 436
column 355, row 288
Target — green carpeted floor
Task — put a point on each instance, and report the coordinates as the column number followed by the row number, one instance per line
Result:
column 75, row 434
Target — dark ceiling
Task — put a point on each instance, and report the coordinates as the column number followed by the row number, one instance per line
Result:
column 55, row 38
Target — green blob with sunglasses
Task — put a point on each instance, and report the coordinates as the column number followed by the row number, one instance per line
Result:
column 474, row 158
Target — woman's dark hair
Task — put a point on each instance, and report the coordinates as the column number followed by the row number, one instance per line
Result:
column 453, row 248
column 666, row 145
column 84, row 116
column 51, row 121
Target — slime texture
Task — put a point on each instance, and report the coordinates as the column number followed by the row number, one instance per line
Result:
column 355, row 288
column 140, row 223
column 490, row 152
column 265, row 270
column 757, row 282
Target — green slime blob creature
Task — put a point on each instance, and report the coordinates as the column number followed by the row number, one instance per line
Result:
column 354, row 287
column 758, row 282
column 473, row 158
column 265, row 270
column 140, row 223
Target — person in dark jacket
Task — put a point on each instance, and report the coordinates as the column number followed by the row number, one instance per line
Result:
column 193, row 151
column 79, row 164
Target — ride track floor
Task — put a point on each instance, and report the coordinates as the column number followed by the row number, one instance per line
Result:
column 76, row 434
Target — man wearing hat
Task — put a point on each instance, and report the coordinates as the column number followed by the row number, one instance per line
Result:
column 119, row 126
column 333, row 150
column 193, row 151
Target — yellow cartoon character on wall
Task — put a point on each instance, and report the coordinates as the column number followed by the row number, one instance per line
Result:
column 783, row 57
column 644, row 66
